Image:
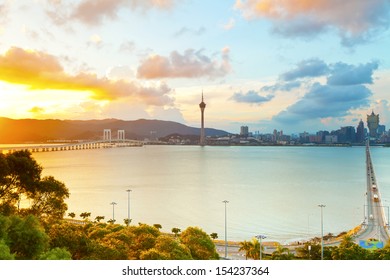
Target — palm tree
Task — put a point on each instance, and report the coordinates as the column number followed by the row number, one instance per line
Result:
column 99, row 218
column 176, row 231
column 85, row 215
column 72, row 215
column 245, row 246
column 127, row 221
column 282, row 253
column 214, row 235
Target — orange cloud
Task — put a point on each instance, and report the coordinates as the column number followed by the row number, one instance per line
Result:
column 41, row 71
column 351, row 17
column 191, row 64
column 93, row 12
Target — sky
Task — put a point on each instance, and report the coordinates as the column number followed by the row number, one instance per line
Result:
column 291, row 65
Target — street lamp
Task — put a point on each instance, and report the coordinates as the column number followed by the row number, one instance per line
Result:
column 260, row 237
column 113, row 211
column 322, row 231
column 226, row 244
column 128, row 206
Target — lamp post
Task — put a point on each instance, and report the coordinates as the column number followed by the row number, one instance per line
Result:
column 260, row 237
column 322, row 231
column 113, row 211
column 128, row 207
column 226, row 244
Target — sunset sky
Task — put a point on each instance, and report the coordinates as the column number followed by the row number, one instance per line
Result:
column 291, row 65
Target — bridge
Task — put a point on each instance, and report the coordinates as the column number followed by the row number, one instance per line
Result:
column 375, row 224
column 107, row 142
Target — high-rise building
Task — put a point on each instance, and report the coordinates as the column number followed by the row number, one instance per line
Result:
column 360, row 135
column 372, row 123
column 244, row 131
column 202, row 106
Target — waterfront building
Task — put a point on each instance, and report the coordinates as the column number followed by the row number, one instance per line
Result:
column 244, row 131
column 372, row 123
column 202, row 106
column 360, row 134
column 381, row 130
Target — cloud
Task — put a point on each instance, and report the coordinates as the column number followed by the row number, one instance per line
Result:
column 251, row 97
column 127, row 46
column 307, row 68
column 96, row 41
column 230, row 24
column 323, row 101
column 353, row 19
column 186, row 30
column 36, row 110
column 95, row 12
column 344, row 74
column 41, row 71
column 282, row 86
column 191, row 64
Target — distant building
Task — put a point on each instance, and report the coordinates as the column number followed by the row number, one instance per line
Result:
column 244, row 131
column 381, row 130
column 360, row 132
column 372, row 123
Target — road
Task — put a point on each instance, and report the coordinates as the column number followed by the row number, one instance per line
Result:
column 375, row 225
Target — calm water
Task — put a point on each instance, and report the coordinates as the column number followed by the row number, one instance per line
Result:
column 271, row 190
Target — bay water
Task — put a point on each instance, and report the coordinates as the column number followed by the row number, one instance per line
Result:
column 273, row 191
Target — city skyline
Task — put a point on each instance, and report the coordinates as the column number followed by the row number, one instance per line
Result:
column 286, row 65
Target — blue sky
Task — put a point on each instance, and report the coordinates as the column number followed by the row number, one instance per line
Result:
column 291, row 65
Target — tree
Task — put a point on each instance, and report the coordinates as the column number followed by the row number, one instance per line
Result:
column 5, row 253
column 99, row 218
column 157, row 226
column 200, row 244
column 56, row 254
column 245, row 246
column 20, row 179
column 47, row 200
column 127, row 221
column 214, row 235
column 167, row 248
column 282, row 253
column 72, row 215
column 176, row 231
column 313, row 254
column 27, row 238
column 348, row 250
column 85, row 215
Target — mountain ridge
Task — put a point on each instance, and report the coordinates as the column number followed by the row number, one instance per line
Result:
column 33, row 130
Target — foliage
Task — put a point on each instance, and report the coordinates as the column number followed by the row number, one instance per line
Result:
column 20, row 179
column 72, row 215
column 251, row 248
column 56, row 254
column 25, row 237
column 282, row 253
column 85, row 215
column 348, row 250
column 157, row 226
column 176, row 231
column 5, row 253
column 214, row 235
column 167, row 248
column 200, row 244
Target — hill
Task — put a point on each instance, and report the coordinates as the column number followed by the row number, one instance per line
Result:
column 31, row 130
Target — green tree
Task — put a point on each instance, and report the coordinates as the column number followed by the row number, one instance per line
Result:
column 348, row 250
column 282, row 253
column 72, row 215
column 313, row 254
column 214, row 235
column 200, row 244
column 27, row 238
column 85, row 215
column 167, row 248
column 176, row 231
column 5, row 253
column 157, row 226
column 127, row 221
column 99, row 218
column 47, row 200
column 56, row 254
column 245, row 246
